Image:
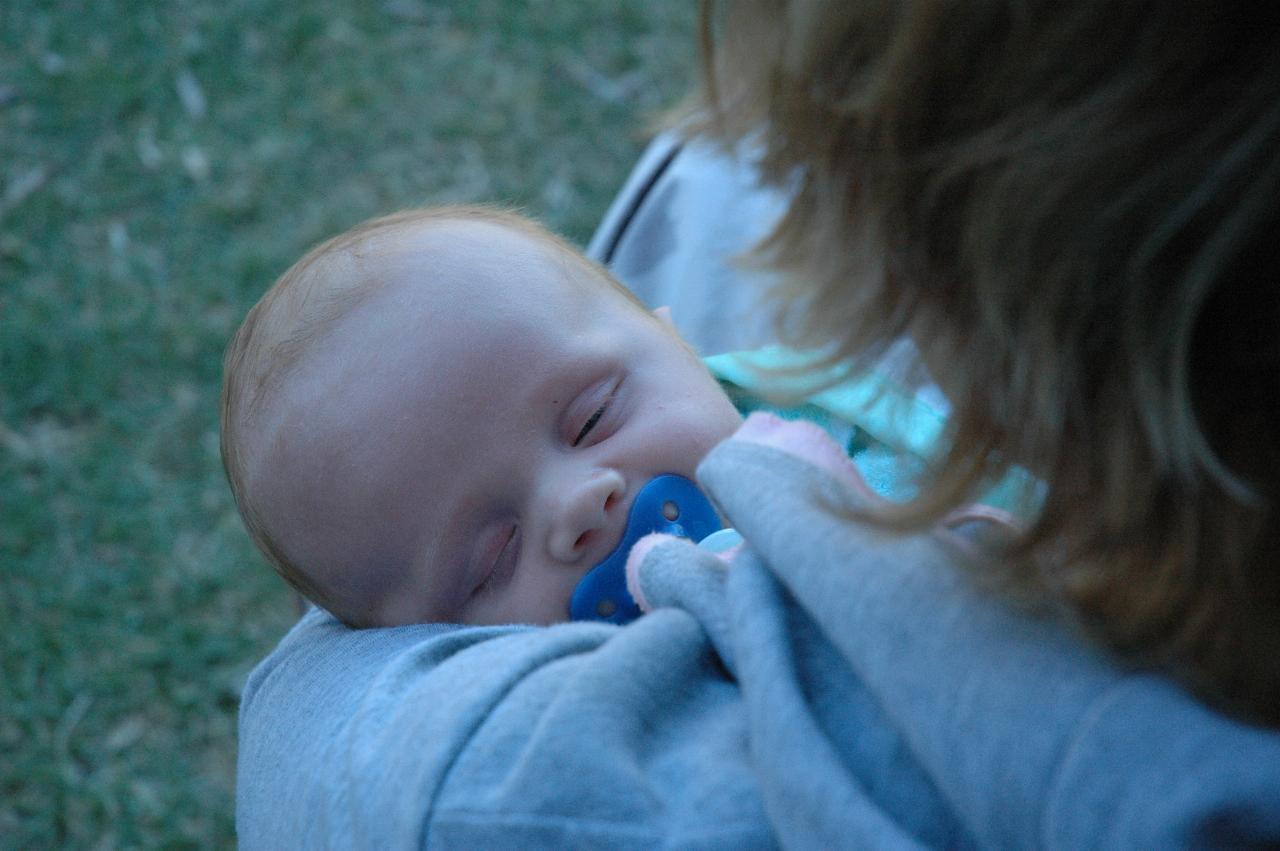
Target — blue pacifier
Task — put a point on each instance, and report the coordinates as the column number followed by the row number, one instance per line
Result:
column 670, row 504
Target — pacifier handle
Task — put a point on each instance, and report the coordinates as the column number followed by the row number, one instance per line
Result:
column 669, row 503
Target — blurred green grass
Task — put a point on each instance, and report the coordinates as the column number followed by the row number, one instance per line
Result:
column 160, row 164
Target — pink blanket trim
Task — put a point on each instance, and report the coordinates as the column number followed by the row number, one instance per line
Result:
column 809, row 442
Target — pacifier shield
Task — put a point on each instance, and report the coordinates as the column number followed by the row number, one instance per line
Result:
column 670, row 504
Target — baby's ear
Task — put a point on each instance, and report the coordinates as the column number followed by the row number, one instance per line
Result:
column 663, row 315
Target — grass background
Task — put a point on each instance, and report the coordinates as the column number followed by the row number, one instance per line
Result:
column 160, row 163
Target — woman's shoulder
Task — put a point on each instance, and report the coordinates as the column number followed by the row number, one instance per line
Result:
column 970, row 688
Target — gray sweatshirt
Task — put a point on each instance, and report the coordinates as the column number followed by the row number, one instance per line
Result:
column 834, row 687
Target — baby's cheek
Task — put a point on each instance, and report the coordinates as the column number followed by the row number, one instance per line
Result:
column 719, row 420
column 702, row 444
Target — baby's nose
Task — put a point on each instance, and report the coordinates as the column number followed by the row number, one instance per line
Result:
column 583, row 511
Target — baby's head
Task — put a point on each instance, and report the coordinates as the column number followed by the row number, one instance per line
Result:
column 443, row 415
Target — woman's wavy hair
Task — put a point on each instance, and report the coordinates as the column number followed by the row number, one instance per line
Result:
column 1072, row 208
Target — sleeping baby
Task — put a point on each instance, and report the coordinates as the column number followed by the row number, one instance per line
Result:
column 446, row 414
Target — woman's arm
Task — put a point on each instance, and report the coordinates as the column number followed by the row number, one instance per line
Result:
column 579, row 735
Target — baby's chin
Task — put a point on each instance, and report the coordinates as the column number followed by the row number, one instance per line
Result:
column 390, row 613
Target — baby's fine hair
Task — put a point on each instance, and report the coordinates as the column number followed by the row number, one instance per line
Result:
column 1072, row 208
column 305, row 301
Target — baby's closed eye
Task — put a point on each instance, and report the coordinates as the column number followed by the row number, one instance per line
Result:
column 499, row 554
column 588, row 412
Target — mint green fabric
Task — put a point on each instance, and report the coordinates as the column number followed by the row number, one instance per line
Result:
column 888, row 412
column 888, row 430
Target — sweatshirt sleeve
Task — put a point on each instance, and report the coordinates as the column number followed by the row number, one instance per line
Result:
column 577, row 735
column 977, row 722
